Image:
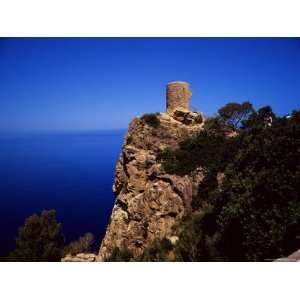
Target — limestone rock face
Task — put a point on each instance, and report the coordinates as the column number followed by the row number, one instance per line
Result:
column 187, row 117
column 294, row 257
column 148, row 201
column 80, row 257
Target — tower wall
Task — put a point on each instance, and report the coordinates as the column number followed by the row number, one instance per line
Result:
column 178, row 96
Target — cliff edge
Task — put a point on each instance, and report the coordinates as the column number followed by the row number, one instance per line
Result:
column 148, row 201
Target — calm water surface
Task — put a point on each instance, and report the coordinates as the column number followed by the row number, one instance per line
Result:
column 71, row 172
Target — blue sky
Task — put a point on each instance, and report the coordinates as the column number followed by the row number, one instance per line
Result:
column 102, row 83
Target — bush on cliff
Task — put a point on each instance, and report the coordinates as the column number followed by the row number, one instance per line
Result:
column 40, row 239
column 151, row 119
column 211, row 152
column 120, row 255
column 211, row 149
column 82, row 245
column 258, row 206
column 255, row 210
column 157, row 251
column 197, row 242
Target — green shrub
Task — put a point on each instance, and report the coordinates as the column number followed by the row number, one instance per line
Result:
column 120, row 255
column 194, row 244
column 157, row 251
column 40, row 239
column 255, row 211
column 151, row 119
column 197, row 238
column 211, row 152
column 259, row 119
column 215, row 126
column 207, row 189
column 259, row 202
column 82, row 245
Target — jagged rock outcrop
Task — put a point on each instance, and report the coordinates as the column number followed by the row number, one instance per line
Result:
column 148, row 201
column 294, row 257
column 80, row 257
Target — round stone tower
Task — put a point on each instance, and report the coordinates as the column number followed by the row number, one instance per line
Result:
column 178, row 96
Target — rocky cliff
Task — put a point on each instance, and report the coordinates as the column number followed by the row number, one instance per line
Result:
column 148, row 201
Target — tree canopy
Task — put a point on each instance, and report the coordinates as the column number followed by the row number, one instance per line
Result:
column 40, row 239
column 254, row 211
column 233, row 114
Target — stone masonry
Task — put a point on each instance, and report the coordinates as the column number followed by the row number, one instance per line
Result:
column 178, row 96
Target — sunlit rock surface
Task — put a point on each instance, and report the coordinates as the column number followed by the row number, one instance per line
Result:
column 148, row 201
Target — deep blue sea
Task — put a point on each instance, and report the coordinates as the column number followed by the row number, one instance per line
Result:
column 71, row 172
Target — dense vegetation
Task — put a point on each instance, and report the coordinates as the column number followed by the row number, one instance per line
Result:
column 151, row 119
column 248, row 205
column 82, row 245
column 42, row 239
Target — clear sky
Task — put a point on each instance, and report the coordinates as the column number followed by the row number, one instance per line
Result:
column 102, row 83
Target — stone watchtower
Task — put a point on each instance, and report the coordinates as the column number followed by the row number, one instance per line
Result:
column 178, row 96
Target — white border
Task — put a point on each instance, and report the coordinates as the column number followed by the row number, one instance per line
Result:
column 149, row 18
column 151, row 281
column 157, row 280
